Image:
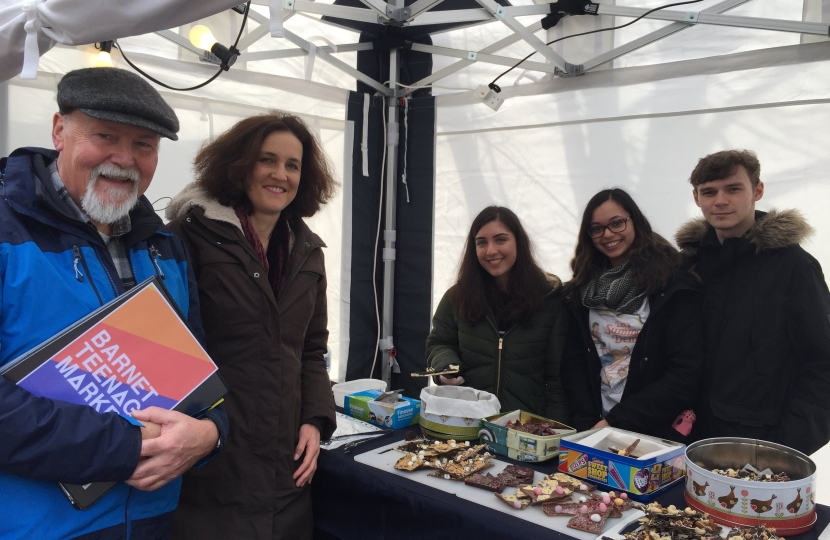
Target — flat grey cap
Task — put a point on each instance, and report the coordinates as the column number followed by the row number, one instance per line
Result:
column 117, row 95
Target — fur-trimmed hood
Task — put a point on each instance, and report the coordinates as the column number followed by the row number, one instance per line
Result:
column 554, row 280
column 772, row 230
column 193, row 195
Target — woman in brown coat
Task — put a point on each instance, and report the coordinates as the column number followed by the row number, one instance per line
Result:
column 262, row 287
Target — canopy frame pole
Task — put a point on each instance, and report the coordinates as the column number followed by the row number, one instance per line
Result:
column 694, row 17
column 421, row 6
column 380, row 7
column 291, row 53
column 461, row 64
column 339, row 64
column 453, row 16
column 525, row 33
column 483, row 57
column 657, row 35
column 386, row 343
column 331, row 10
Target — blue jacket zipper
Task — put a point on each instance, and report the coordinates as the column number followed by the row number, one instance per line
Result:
column 128, row 525
column 154, row 256
column 79, row 256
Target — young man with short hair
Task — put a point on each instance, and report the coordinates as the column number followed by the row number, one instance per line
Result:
column 767, row 310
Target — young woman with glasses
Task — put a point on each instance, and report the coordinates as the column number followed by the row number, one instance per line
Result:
column 634, row 347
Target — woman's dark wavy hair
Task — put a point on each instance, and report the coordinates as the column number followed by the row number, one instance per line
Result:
column 224, row 164
column 653, row 259
column 474, row 284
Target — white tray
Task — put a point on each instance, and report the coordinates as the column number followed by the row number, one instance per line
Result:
column 384, row 458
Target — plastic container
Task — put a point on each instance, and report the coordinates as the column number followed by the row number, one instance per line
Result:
column 454, row 412
column 350, row 387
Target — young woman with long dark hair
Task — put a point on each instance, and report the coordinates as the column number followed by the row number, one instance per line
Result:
column 503, row 321
column 634, row 348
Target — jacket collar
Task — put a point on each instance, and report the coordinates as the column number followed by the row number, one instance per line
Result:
column 193, row 196
column 29, row 191
column 552, row 283
column 772, row 230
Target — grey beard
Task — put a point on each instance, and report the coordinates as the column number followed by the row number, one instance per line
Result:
column 99, row 208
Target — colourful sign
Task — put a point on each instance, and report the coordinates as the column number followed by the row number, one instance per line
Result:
column 140, row 355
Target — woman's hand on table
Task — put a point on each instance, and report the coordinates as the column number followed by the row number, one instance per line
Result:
column 308, row 448
column 454, row 381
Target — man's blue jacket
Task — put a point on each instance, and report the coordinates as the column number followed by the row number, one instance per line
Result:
column 53, row 271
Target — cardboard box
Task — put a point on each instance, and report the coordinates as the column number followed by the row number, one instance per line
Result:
column 394, row 412
column 519, row 445
column 661, row 463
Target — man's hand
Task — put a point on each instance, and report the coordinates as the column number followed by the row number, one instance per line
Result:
column 150, row 430
column 601, row 423
column 310, row 446
column 183, row 442
column 452, row 381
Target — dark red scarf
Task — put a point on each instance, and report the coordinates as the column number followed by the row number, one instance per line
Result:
column 275, row 259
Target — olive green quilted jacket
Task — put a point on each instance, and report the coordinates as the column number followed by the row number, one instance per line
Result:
column 521, row 368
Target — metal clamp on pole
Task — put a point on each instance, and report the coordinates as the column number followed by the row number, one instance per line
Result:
column 392, row 133
column 386, row 344
column 570, row 70
column 398, row 14
column 388, row 254
column 390, row 235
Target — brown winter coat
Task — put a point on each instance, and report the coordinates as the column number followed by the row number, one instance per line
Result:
column 270, row 352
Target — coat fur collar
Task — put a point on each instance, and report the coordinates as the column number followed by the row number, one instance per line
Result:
column 554, row 281
column 773, row 230
column 192, row 195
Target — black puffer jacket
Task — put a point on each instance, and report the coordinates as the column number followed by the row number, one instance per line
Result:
column 767, row 333
column 664, row 373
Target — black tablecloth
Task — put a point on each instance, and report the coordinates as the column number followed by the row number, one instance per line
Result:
column 355, row 501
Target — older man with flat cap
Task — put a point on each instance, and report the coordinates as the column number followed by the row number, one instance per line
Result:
column 76, row 232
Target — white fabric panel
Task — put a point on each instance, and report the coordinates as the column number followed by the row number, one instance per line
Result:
column 548, row 173
column 785, row 74
column 74, row 23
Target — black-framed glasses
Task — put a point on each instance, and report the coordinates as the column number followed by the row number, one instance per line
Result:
column 618, row 225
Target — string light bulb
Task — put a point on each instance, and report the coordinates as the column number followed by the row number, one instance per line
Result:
column 103, row 58
column 201, row 37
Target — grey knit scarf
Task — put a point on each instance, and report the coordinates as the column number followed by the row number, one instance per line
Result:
column 614, row 290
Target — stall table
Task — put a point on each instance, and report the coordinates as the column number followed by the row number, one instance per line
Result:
column 355, row 501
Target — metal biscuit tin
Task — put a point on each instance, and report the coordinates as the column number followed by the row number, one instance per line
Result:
column 789, row 507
